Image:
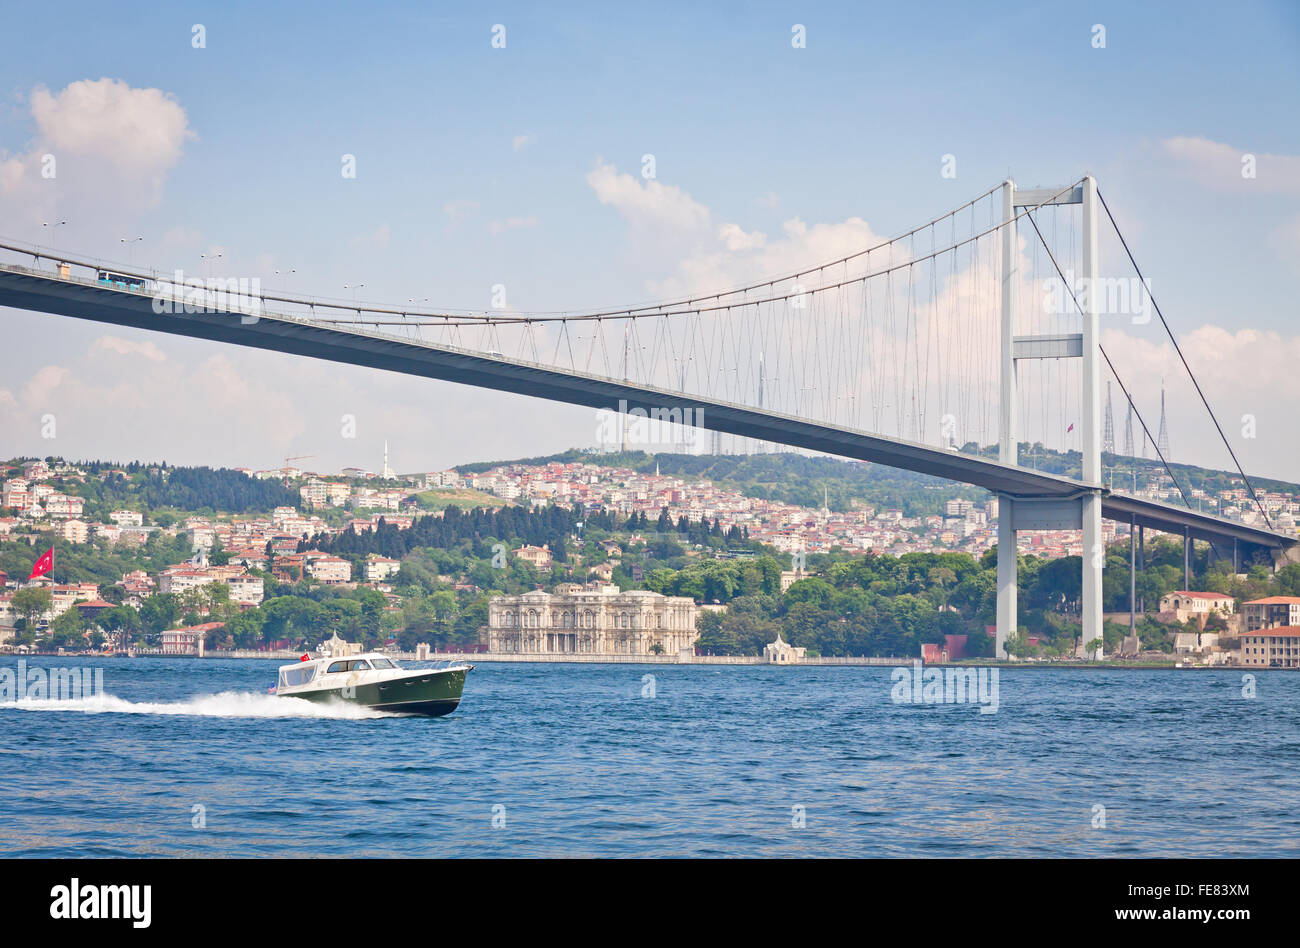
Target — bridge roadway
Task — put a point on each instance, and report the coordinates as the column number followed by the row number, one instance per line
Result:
column 43, row 292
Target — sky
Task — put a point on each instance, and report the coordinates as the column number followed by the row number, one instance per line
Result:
column 521, row 166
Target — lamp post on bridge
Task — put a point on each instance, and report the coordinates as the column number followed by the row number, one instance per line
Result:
column 129, row 243
column 54, row 229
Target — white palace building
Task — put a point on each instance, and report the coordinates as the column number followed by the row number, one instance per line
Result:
column 595, row 619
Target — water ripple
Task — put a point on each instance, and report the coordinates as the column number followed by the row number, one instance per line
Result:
column 192, row 758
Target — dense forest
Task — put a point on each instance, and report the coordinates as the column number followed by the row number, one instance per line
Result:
column 201, row 490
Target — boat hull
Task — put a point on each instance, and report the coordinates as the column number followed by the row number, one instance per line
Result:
column 432, row 695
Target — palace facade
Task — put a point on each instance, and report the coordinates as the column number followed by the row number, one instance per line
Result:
column 595, row 619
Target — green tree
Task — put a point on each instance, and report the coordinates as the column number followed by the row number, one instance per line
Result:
column 31, row 602
column 67, row 629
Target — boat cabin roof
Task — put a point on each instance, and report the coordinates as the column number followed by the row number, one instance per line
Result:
column 327, row 660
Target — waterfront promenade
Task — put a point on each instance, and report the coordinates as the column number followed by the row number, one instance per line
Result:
column 583, row 659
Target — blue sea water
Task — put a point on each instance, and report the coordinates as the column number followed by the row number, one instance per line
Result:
column 577, row 760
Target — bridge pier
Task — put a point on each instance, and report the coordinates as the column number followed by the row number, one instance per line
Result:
column 1142, row 559
column 1094, row 559
column 1132, row 576
column 1008, row 446
column 1008, row 599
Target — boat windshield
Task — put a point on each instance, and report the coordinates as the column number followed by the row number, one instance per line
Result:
column 383, row 663
column 354, row 664
column 298, row 675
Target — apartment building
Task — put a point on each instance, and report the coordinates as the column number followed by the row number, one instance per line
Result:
column 1271, row 648
column 1272, row 612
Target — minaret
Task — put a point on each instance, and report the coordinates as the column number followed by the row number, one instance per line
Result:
column 1108, row 432
column 1164, row 428
column 387, row 473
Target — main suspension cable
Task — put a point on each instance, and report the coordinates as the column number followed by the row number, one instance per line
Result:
column 1177, row 348
column 1113, row 371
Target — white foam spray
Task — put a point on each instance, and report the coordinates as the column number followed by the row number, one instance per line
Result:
column 227, row 704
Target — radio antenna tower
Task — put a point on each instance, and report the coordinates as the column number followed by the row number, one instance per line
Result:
column 1163, row 441
column 1108, row 432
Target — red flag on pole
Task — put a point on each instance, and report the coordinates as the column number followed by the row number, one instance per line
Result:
column 43, row 565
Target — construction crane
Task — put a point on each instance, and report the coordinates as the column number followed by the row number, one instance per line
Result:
column 296, row 457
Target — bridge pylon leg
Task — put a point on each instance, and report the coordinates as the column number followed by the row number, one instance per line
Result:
column 1094, row 558
column 1094, row 547
column 1007, row 575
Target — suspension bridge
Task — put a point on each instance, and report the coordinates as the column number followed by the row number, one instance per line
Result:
column 979, row 327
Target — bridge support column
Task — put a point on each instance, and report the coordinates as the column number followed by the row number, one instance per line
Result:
column 1132, row 576
column 1007, row 575
column 1008, row 445
column 1142, row 559
column 1094, row 547
column 1094, row 558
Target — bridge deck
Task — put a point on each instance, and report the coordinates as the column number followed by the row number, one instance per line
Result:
column 40, row 291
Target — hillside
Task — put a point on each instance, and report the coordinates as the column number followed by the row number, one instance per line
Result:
column 807, row 481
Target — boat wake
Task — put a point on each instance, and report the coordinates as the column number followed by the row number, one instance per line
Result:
column 227, row 704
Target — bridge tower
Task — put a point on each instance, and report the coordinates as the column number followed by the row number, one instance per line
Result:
column 1017, row 513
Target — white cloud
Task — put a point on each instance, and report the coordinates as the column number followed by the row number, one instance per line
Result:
column 708, row 259
column 142, row 131
column 1285, row 240
column 377, row 239
column 110, row 148
column 521, row 142
column 511, row 223
column 127, row 347
column 734, row 236
column 459, row 211
column 647, row 203
column 181, row 236
column 1218, row 165
column 737, row 256
column 138, row 394
column 1242, row 372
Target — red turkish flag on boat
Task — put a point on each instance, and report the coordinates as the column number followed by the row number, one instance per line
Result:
column 43, row 565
